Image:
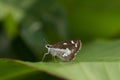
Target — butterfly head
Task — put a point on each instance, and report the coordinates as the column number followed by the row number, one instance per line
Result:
column 48, row 45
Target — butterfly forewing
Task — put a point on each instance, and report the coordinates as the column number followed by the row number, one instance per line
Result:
column 72, row 45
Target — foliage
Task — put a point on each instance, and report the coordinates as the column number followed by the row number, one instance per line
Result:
column 27, row 25
column 98, row 64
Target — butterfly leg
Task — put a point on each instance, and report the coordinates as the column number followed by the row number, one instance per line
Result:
column 44, row 56
column 53, row 59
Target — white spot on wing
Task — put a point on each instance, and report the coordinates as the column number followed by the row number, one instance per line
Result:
column 67, row 52
column 76, row 45
column 75, row 54
column 64, row 55
column 64, row 43
column 72, row 42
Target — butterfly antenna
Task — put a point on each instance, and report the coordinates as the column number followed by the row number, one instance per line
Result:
column 45, row 41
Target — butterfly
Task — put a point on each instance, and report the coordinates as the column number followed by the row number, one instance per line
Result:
column 65, row 50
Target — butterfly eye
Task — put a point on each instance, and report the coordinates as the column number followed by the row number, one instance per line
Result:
column 47, row 46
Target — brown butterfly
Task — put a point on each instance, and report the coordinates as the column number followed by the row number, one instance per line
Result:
column 65, row 50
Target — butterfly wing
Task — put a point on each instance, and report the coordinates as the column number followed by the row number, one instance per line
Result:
column 72, row 45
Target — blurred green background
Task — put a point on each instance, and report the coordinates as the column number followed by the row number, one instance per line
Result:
column 27, row 25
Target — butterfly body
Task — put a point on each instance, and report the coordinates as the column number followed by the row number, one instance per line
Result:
column 65, row 50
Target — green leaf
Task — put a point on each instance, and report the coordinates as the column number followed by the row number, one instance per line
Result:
column 100, row 51
column 97, row 61
column 18, row 70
